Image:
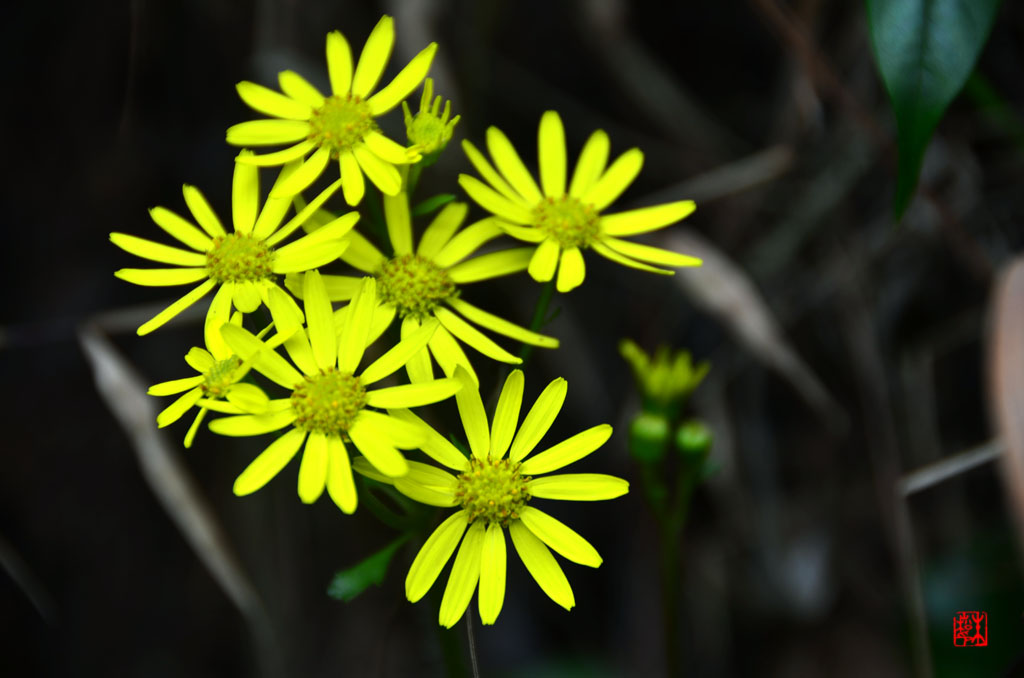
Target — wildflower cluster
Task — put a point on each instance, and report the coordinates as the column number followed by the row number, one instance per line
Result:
column 301, row 367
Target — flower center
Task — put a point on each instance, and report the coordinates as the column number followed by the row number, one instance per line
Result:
column 414, row 285
column 341, row 123
column 220, row 376
column 492, row 490
column 328, row 402
column 238, row 257
column 567, row 220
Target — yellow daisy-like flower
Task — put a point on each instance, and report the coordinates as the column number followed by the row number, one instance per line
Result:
column 563, row 222
column 495, row 492
column 422, row 283
column 329, row 402
column 339, row 127
column 219, row 373
column 243, row 263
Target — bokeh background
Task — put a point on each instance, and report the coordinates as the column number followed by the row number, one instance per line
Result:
column 848, row 352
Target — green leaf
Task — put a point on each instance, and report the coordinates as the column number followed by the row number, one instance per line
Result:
column 349, row 583
column 925, row 50
column 432, row 204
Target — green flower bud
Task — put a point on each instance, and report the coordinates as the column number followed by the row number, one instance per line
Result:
column 430, row 130
column 648, row 437
column 693, row 440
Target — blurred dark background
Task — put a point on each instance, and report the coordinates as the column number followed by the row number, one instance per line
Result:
column 847, row 352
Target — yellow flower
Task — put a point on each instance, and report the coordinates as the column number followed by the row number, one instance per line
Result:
column 495, row 492
column 429, row 130
column 329, row 402
column 416, row 285
column 667, row 377
column 243, row 263
column 339, row 127
column 563, row 222
column 219, row 373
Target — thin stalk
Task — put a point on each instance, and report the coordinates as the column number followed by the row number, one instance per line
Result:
column 540, row 312
column 474, row 666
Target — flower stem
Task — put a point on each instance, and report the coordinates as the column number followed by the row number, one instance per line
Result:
column 540, row 312
column 474, row 666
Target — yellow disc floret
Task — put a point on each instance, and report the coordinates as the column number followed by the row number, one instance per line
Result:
column 220, row 377
column 341, row 123
column 237, row 257
column 567, row 220
column 328, row 402
column 493, row 490
column 414, row 285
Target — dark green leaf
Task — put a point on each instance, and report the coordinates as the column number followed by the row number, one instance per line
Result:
column 432, row 204
column 349, row 583
column 925, row 50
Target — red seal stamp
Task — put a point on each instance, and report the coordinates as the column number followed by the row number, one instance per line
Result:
column 970, row 629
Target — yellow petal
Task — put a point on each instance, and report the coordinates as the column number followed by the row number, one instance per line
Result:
column 352, row 342
column 590, row 165
column 305, row 175
column 493, row 202
column 567, row 451
column 268, row 132
column 511, row 166
column 492, row 574
column 269, row 463
column 441, row 229
column 571, row 270
column 340, row 485
column 339, row 63
column 500, row 325
column 578, row 487
column 488, row 172
column 281, row 157
column 474, row 337
column 646, row 219
column 463, row 578
column 399, row 223
column 272, row 103
column 374, row 57
column 245, row 196
column 539, row 419
column 201, row 210
column 382, row 173
column 320, row 321
column 492, row 265
column 560, row 537
column 506, row 414
column 541, row 565
column 408, row 79
column 396, row 357
column 413, row 395
column 468, row 241
column 351, row 178
column 176, row 308
column 471, row 411
column 609, row 253
column 154, row 251
column 544, row 261
column 616, row 180
column 434, row 555
column 653, row 255
column 434, row 445
column 175, row 410
column 313, row 470
column 299, row 89
column 377, row 449
column 551, row 154
column 180, row 229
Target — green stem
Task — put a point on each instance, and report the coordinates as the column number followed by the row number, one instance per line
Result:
column 540, row 312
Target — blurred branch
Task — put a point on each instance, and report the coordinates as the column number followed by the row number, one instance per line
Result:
column 724, row 290
column 28, row 582
column 731, row 178
column 1006, row 382
column 124, row 392
column 948, row 467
